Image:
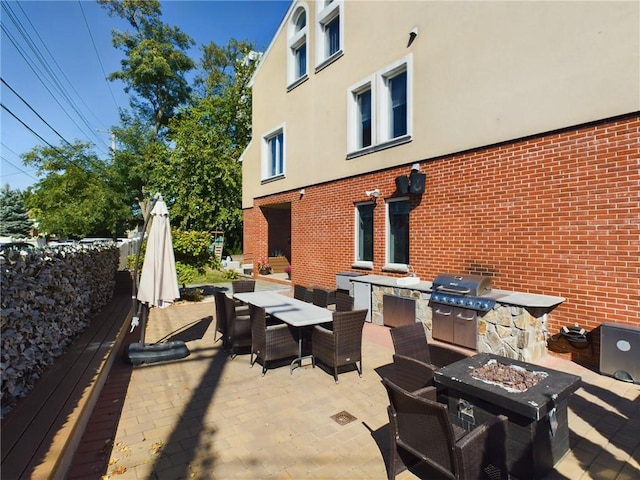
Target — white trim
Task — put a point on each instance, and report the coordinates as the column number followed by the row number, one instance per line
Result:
column 380, row 109
column 265, row 153
column 325, row 13
column 391, row 266
column 358, row 261
column 295, row 40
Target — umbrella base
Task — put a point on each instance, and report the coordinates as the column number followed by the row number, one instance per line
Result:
column 138, row 353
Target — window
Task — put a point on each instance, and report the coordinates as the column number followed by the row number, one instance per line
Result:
column 379, row 110
column 397, row 87
column 364, row 234
column 398, row 231
column 364, row 115
column 297, row 48
column 273, row 154
column 329, row 32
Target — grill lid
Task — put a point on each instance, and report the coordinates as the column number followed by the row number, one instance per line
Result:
column 472, row 285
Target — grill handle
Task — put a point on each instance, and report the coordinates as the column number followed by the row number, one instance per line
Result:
column 469, row 319
column 461, row 291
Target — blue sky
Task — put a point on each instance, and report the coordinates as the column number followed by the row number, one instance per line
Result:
column 55, row 55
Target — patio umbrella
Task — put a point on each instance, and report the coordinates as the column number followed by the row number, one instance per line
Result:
column 159, row 281
column 158, row 286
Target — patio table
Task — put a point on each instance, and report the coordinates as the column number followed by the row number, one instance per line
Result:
column 292, row 311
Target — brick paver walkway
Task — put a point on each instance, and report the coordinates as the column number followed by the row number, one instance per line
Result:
column 211, row 417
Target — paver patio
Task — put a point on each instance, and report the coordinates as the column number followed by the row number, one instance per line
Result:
column 211, row 417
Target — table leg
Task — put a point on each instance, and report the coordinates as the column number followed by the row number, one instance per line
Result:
column 301, row 357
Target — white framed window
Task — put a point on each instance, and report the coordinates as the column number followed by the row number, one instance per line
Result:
column 297, row 65
column 329, row 32
column 273, row 154
column 364, row 235
column 383, row 103
column 397, row 233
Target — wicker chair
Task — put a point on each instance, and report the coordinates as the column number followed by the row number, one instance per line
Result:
column 238, row 328
column 323, row 297
column 413, row 375
column 242, row 286
column 221, row 319
column 344, row 302
column 270, row 342
column 300, row 292
column 411, row 341
column 422, row 429
column 341, row 346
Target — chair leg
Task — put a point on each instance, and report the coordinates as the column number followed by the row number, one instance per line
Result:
column 264, row 367
column 335, row 374
column 359, row 369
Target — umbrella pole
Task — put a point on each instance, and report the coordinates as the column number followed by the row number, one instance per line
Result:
column 143, row 322
column 139, row 307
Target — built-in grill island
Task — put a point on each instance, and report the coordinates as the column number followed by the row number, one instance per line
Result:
column 456, row 302
column 485, row 319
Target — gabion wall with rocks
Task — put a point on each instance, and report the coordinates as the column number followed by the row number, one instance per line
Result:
column 48, row 297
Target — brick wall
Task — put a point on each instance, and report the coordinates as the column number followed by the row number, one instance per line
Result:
column 555, row 214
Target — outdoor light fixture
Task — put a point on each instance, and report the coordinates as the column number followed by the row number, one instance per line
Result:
column 372, row 193
column 412, row 36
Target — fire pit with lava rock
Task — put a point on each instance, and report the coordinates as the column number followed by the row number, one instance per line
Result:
column 512, row 378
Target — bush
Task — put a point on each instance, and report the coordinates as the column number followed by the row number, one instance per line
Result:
column 186, row 273
column 192, row 248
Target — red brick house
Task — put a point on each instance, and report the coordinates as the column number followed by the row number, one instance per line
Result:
column 524, row 117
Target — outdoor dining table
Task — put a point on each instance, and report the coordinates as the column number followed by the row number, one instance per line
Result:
column 292, row 311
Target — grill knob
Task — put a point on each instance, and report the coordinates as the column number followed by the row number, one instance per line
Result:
column 459, row 301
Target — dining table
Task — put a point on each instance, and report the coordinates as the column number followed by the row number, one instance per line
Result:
column 294, row 312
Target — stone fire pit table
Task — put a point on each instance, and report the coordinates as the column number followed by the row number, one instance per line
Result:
column 538, row 431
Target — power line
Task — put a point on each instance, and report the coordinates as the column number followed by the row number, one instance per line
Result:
column 95, row 49
column 17, row 168
column 48, row 73
column 28, row 127
column 32, row 109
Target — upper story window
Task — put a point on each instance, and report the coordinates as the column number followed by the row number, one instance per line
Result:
column 380, row 109
column 273, row 156
column 329, row 36
column 297, row 69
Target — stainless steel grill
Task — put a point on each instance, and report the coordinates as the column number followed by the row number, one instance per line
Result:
column 455, row 301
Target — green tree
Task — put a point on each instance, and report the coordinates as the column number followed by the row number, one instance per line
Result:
column 155, row 60
column 204, row 174
column 14, row 219
column 77, row 195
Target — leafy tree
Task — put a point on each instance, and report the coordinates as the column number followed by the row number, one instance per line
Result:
column 156, row 61
column 14, row 219
column 204, row 174
column 77, row 195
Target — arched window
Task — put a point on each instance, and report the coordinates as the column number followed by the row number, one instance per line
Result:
column 297, row 68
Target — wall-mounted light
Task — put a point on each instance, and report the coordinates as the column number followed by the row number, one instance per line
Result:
column 301, row 192
column 412, row 36
column 372, row 193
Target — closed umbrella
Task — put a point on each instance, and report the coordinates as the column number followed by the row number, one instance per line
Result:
column 158, row 286
column 159, row 281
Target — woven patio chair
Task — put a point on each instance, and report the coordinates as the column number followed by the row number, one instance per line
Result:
column 221, row 318
column 413, row 375
column 341, row 346
column 323, row 297
column 344, row 302
column 422, row 429
column 270, row 342
column 238, row 329
column 242, row 286
column 300, row 292
column 411, row 341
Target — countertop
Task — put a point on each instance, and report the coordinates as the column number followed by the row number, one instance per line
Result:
column 521, row 299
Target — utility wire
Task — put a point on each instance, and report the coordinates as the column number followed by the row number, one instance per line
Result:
column 29, row 128
column 95, row 49
column 47, row 73
column 31, row 108
column 20, row 170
